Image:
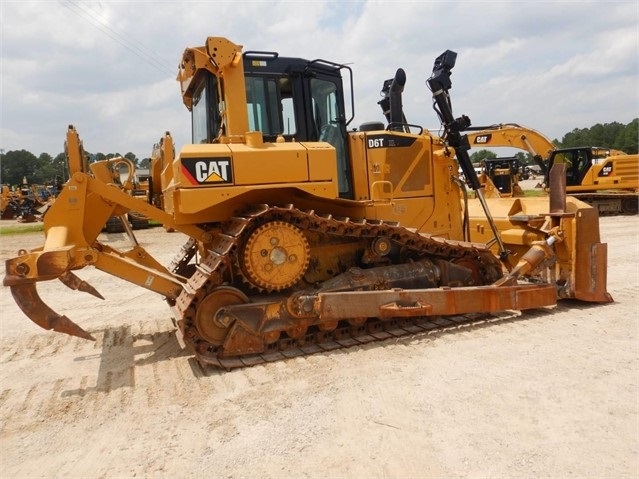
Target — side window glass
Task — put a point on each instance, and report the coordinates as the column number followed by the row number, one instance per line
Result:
column 269, row 105
column 288, row 116
column 324, row 97
column 205, row 114
column 256, row 104
column 328, row 127
column 199, row 115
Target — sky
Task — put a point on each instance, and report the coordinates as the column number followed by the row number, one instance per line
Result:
column 109, row 68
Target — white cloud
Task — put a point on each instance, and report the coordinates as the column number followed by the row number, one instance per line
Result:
column 109, row 67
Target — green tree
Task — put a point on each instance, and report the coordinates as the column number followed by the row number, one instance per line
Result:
column 18, row 165
column 607, row 135
column 525, row 159
column 627, row 139
column 60, row 167
column 480, row 155
column 132, row 157
column 577, row 137
column 45, row 172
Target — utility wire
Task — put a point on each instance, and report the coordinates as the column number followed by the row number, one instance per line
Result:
column 132, row 42
column 102, row 24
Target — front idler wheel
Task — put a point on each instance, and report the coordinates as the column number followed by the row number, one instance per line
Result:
column 210, row 328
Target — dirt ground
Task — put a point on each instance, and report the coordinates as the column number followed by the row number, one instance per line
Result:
column 548, row 393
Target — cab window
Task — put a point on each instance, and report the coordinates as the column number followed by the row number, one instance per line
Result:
column 270, row 105
column 205, row 114
column 328, row 128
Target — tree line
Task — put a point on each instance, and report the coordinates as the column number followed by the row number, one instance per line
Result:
column 17, row 166
column 609, row 135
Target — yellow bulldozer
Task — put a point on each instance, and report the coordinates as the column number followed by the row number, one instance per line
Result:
column 304, row 233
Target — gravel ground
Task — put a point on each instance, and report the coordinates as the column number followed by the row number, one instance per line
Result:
column 548, row 393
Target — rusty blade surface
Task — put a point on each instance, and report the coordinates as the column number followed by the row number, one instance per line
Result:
column 558, row 188
column 71, row 281
column 27, row 298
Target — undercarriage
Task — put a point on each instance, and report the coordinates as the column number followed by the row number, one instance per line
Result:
column 266, row 290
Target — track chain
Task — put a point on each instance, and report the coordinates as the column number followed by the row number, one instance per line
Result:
column 216, row 266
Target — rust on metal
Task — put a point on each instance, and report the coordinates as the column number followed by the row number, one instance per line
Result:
column 434, row 301
column 557, row 185
column 356, row 306
column 27, row 298
column 591, row 278
column 71, row 281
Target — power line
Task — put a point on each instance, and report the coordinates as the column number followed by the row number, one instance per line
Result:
column 132, row 42
column 105, row 26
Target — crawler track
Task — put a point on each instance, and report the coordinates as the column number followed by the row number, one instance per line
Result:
column 611, row 204
column 218, row 266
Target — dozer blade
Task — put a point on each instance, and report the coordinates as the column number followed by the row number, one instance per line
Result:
column 27, row 298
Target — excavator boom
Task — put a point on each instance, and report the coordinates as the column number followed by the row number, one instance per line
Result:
column 605, row 178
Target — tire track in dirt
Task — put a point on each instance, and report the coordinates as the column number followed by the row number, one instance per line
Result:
column 111, row 385
column 541, row 392
column 146, row 369
column 39, row 346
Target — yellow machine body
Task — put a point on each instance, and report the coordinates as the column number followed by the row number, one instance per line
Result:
column 305, row 234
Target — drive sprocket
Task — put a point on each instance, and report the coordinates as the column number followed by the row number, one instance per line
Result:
column 275, row 256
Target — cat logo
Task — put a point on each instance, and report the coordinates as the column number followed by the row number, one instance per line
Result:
column 606, row 170
column 201, row 171
column 482, row 139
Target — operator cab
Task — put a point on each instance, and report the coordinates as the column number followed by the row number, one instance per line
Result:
column 290, row 98
column 501, row 171
column 578, row 161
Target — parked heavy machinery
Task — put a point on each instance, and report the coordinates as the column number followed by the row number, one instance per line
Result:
column 24, row 203
column 608, row 181
column 141, row 190
column 9, row 206
column 124, row 171
column 501, row 175
column 514, row 136
column 602, row 177
column 306, row 236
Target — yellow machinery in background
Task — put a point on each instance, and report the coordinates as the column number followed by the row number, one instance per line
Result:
column 602, row 177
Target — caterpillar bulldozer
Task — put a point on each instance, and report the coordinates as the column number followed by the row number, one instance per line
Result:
column 305, row 234
column 605, row 178
column 501, row 176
